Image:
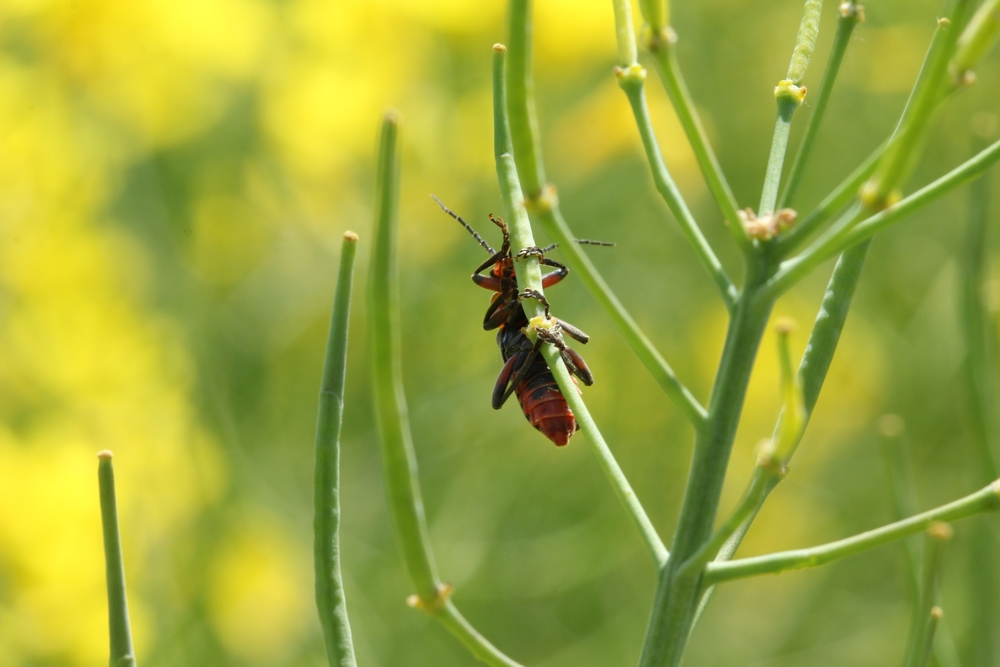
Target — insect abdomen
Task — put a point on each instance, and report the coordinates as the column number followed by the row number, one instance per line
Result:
column 544, row 405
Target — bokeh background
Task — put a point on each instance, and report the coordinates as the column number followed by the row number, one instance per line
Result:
column 174, row 183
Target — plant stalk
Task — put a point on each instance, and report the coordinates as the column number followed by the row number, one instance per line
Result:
column 677, row 593
column 399, row 463
column 985, row 500
column 122, row 654
column 330, row 599
column 530, row 277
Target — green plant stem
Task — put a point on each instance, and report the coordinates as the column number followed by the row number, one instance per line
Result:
column 531, row 278
column 832, row 203
column 628, row 52
column 985, row 500
column 904, row 495
column 925, row 620
column 934, row 618
column 520, row 99
column 838, row 240
column 677, row 594
column 330, row 599
column 631, row 81
column 544, row 208
column 984, row 395
column 895, row 165
column 607, row 460
column 662, row 47
column 398, row 460
column 849, row 18
column 120, row 633
column 815, row 364
column 977, row 329
column 788, row 101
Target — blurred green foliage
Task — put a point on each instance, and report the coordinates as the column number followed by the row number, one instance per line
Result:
column 176, row 178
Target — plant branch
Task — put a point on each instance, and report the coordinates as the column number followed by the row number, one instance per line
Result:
column 122, row 654
column 926, row 613
column 330, row 599
column 398, row 461
column 522, row 237
column 986, row 500
column 789, row 95
column 544, row 207
column 632, row 81
column 843, row 237
column 661, row 45
column 850, row 16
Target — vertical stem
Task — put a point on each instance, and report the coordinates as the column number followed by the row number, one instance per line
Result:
column 677, row 594
column 330, row 599
column 120, row 633
column 398, row 461
column 521, row 95
column 925, row 620
column 399, row 464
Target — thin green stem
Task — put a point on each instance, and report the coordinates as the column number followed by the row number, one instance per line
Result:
column 927, row 93
column 628, row 52
column 119, row 631
column 925, row 620
column 977, row 329
column 399, row 463
column 520, row 99
column 793, row 270
column 904, row 494
column 656, row 14
column 662, row 47
column 330, row 599
column 607, row 460
column 753, row 497
column 631, row 81
column 833, row 202
column 849, row 18
column 530, row 277
column 789, row 96
column 551, row 220
column 976, row 40
column 544, row 208
column 985, row 500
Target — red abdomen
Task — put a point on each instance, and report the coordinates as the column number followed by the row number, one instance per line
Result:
column 544, row 405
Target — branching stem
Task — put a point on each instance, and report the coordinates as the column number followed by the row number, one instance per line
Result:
column 330, row 599
column 985, row 500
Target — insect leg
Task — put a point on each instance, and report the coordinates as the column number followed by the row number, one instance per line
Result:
column 537, row 296
column 573, row 331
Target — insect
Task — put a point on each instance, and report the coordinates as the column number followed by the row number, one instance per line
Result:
column 525, row 371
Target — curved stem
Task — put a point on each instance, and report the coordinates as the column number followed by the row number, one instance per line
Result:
column 985, row 500
column 631, row 81
column 330, row 599
column 398, row 461
column 120, row 633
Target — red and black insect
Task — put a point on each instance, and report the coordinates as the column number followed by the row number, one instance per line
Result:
column 525, row 371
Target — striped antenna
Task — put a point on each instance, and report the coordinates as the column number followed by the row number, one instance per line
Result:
column 464, row 224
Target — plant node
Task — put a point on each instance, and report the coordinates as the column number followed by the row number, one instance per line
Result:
column 849, row 10
column 444, row 592
column 767, row 227
column 631, row 77
column 655, row 40
column 544, row 202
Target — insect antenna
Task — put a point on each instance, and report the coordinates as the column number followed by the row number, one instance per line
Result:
column 605, row 244
column 464, row 224
column 553, row 246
